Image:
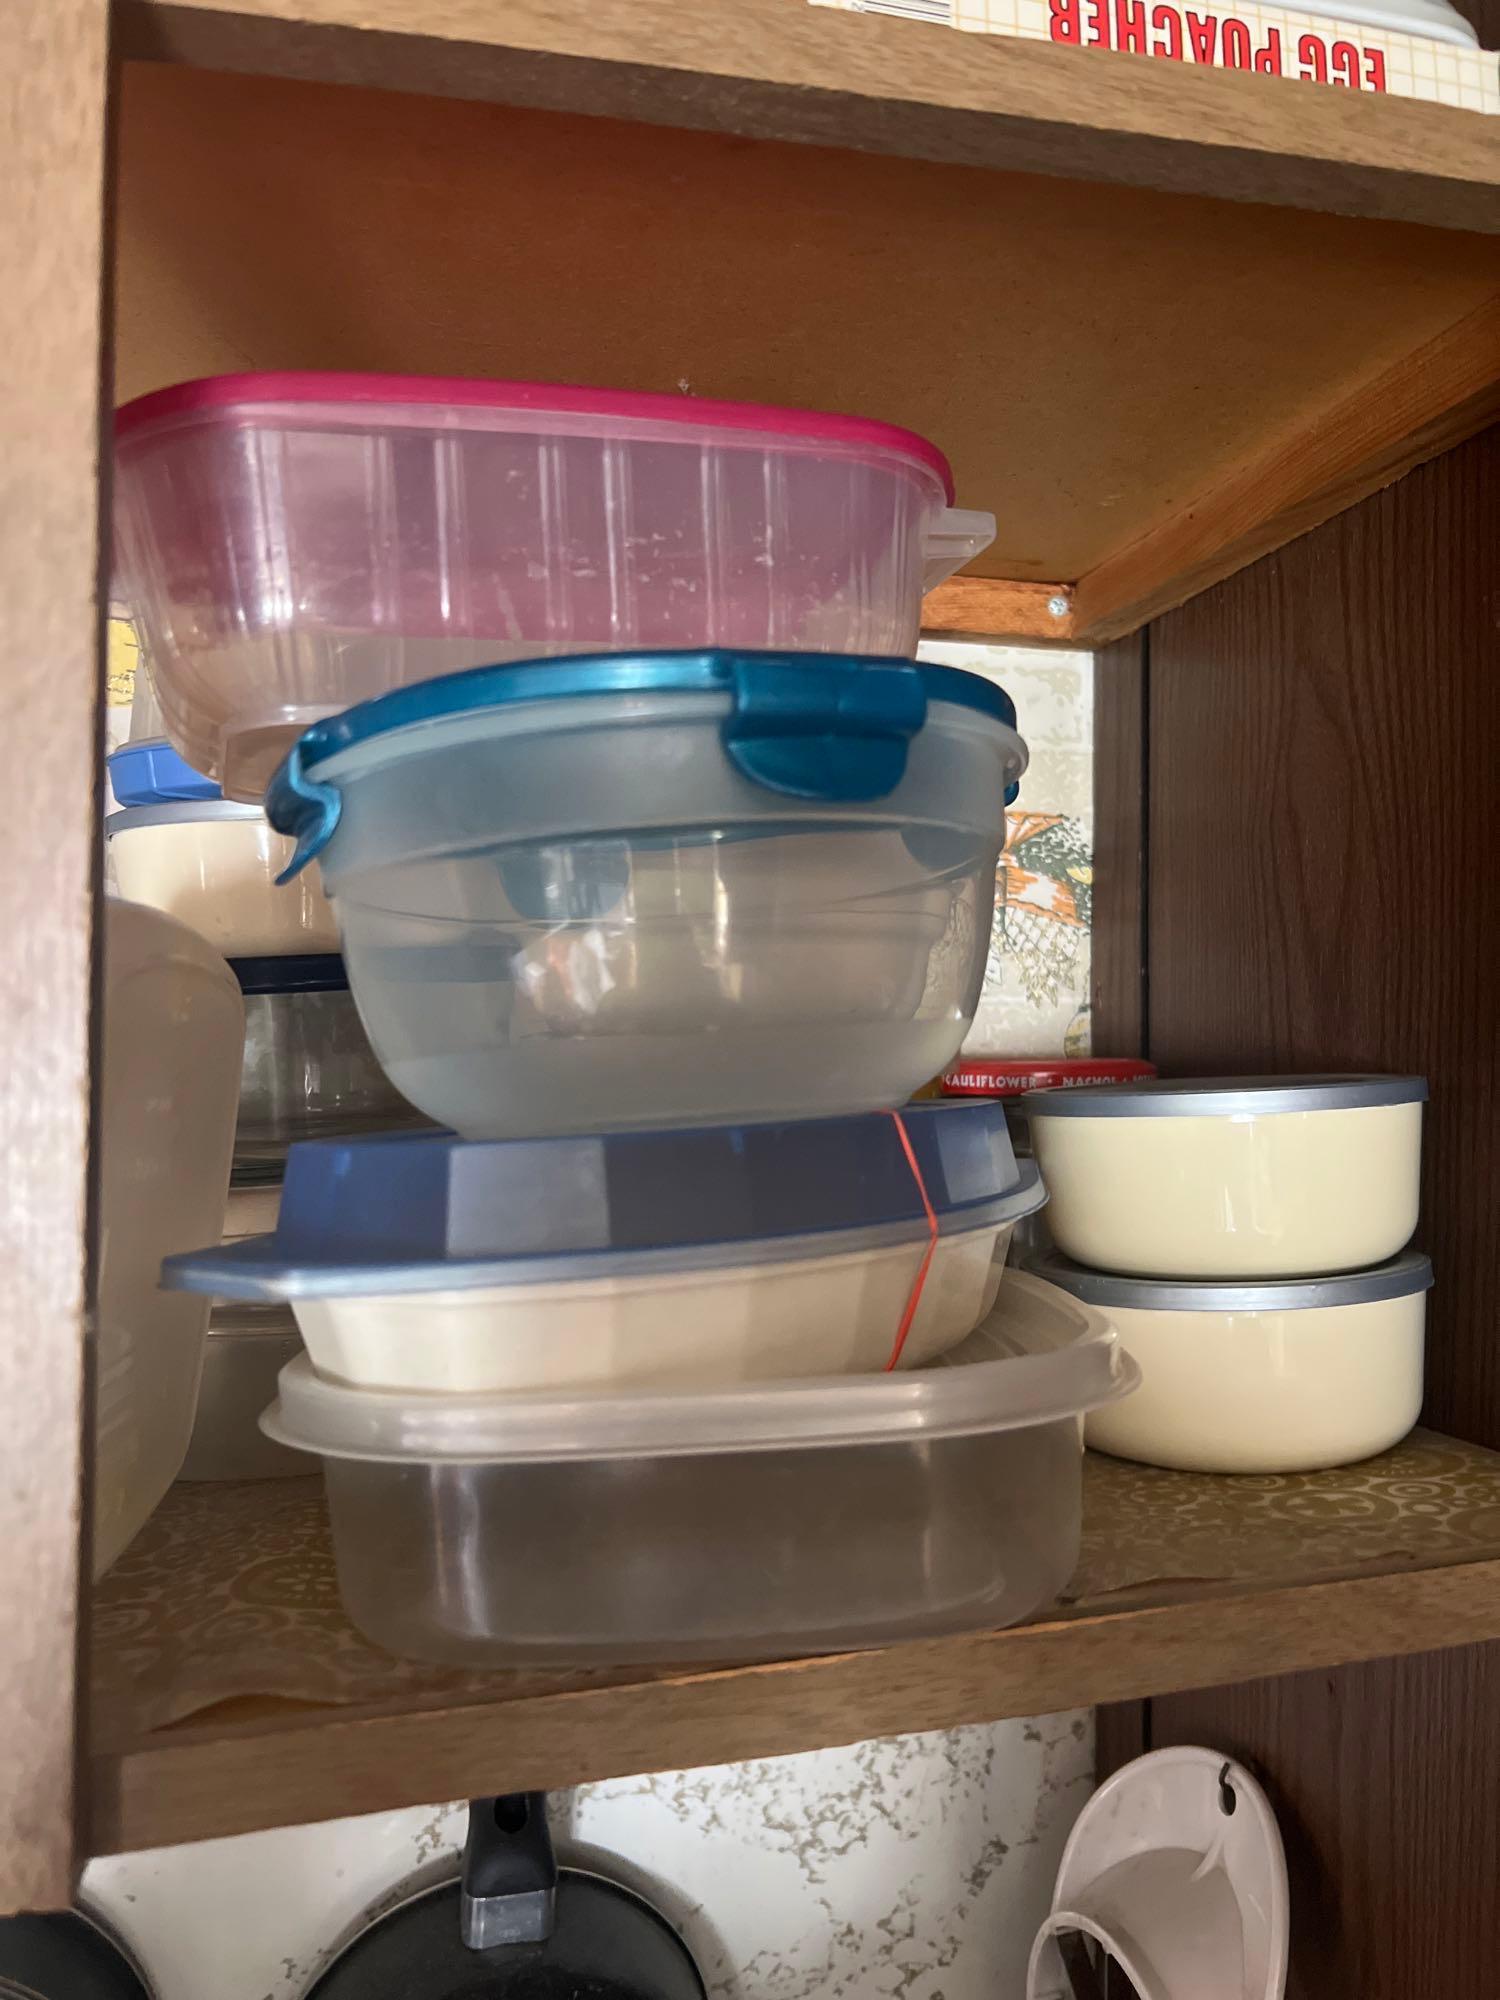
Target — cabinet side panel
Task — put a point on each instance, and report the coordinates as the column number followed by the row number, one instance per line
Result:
column 53, row 98
column 1324, row 729
column 1323, row 737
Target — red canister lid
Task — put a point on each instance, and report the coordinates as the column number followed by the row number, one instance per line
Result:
column 1004, row 1076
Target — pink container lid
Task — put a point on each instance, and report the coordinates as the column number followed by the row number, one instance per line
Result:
column 222, row 392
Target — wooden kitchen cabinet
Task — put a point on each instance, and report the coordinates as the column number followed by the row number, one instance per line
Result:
column 1166, row 320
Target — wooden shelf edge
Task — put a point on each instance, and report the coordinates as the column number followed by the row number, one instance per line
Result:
column 200, row 1782
column 1435, row 398
column 987, row 607
column 784, row 69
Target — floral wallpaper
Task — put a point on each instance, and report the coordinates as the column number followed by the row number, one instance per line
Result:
column 1036, row 988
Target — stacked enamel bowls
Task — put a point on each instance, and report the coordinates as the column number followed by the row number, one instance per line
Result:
column 1248, row 1238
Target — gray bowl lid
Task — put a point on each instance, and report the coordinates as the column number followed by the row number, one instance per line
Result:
column 179, row 812
column 1399, row 1279
column 1224, row 1096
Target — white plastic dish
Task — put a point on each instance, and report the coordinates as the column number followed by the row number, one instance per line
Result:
column 213, row 865
column 1268, row 1377
column 701, row 1258
column 598, row 1528
column 174, row 1029
column 293, row 543
column 665, row 888
column 1231, row 1177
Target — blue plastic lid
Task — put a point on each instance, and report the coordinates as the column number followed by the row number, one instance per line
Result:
column 298, row 972
column 407, row 1212
column 827, row 726
column 151, row 773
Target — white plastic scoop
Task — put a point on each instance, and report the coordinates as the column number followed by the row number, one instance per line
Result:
column 1176, row 1870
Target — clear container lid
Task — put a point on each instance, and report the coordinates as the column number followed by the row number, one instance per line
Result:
column 389, row 400
column 1226, row 1096
column 150, row 773
column 824, row 726
column 1039, row 1358
column 1399, row 1279
column 404, row 1212
column 183, row 812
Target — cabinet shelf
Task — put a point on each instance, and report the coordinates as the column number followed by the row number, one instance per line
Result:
column 230, row 1692
column 1150, row 385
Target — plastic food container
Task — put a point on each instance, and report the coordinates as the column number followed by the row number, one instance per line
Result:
column 170, row 1071
column 605, row 1527
column 213, row 865
column 787, row 915
column 309, row 1071
column 246, row 1349
column 700, row 1257
column 1270, row 1377
column 291, row 544
column 1230, row 1177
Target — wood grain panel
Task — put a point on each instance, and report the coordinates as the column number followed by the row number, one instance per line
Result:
column 224, row 1775
column 1118, row 1004
column 1381, row 1777
column 1323, row 738
column 781, row 69
column 417, row 234
column 52, row 137
column 1433, row 397
column 1323, row 732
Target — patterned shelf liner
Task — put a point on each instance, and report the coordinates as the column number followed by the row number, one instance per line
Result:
column 229, row 1592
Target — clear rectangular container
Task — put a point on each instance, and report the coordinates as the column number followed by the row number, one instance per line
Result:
column 747, row 1523
column 291, row 544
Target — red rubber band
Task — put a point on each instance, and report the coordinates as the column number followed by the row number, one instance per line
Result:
column 915, row 1296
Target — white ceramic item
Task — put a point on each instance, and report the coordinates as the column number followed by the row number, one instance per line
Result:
column 1255, row 1177
column 174, row 1031
column 213, row 865
column 1175, row 1871
column 735, row 1323
column 1285, row 1377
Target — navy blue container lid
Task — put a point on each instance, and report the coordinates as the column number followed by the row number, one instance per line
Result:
column 298, row 972
column 151, row 773
column 826, row 726
column 409, row 1212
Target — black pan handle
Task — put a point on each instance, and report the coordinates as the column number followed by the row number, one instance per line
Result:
column 508, row 1893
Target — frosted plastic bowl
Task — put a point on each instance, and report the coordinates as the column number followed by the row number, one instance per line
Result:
column 703, row 1257
column 290, row 544
column 213, row 865
column 1229, row 1177
column 1269, row 1377
column 607, row 1527
column 787, row 913
column 174, row 1028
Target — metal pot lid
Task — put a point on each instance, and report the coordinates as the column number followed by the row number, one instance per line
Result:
column 1225, row 1096
column 65, row 1955
column 515, row 1927
column 1399, row 1279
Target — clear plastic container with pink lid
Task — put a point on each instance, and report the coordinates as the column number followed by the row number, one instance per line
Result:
column 292, row 544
